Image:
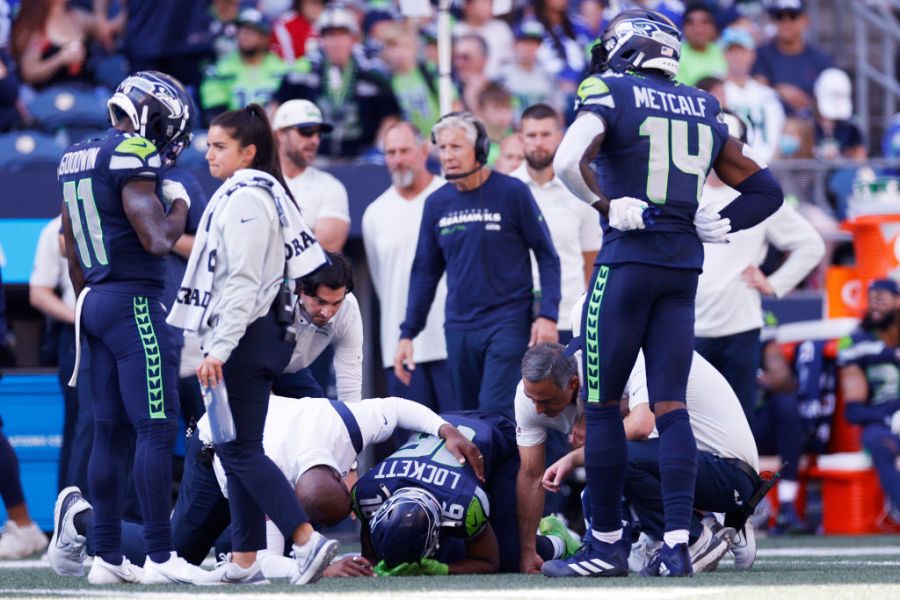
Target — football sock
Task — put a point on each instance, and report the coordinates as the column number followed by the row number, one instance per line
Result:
column 10, row 485
column 153, row 481
column 607, row 537
column 84, row 522
column 677, row 536
column 677, row 468
column 787, row 491
column 605, row 464
column 109, row 457
column 549, row 547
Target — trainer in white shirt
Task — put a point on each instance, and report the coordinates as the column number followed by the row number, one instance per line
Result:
column 314, row 432
column 574, row 226
column 49, row 273
column 322, row 198
column 547, row 398
column 328, row 314
column 728, row 303
column 390, row 229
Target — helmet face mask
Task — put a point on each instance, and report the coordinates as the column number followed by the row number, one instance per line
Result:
column 638, row 40
column 406, row 527
column 158, row 107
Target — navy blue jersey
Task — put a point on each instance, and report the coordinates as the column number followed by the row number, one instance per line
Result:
column 424, row 462
column 92, row 175
column 661, row 140
column 879, row 362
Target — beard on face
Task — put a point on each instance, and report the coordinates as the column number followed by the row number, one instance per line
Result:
column 539, row 162
column 402, row 177
column 251, row 52
column 296, row 156
column 869, row 322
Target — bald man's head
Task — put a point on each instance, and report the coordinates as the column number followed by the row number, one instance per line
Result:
column 323, row 496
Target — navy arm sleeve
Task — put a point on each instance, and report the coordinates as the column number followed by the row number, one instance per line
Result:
column 860, row 413
column 537, row 237
column 760, row 197
column 427, row 268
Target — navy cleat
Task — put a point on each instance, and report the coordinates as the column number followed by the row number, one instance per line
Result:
column 595, row 559
column 670, row 562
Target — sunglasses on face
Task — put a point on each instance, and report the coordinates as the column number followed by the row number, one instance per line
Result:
column 308, row 132
column 787, row 14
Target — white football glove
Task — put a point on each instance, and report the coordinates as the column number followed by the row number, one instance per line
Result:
column 171, row 190
column 711, row 228
column 627, row 213
column 895, row 423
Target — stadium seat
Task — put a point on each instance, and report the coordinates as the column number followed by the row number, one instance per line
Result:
column 27, row 150
column 75, row 109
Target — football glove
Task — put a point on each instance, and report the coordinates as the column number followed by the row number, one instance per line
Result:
column 171, row 190
column 627, row 213
column 711, row 228
column 427, row 566
column 895, row 423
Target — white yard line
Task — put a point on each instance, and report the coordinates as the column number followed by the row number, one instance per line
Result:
column 806, row 592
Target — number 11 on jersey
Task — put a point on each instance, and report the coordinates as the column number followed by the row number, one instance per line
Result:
column 82, row 192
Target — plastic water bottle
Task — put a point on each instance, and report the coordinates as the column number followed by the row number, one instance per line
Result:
column 221, row 422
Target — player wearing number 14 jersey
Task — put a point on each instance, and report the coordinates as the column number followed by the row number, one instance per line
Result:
column 117, row 233
column 652, row 143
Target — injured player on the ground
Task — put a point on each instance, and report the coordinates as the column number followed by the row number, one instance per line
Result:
column 313, row 441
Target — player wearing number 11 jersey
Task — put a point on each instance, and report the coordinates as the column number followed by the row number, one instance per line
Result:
column 117, row 234
column 651, row 143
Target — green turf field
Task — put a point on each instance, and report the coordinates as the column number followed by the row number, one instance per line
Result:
column 830, row 568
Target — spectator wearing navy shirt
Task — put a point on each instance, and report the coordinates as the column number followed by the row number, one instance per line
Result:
column 9, row 93
column 171, row 36
column 479, row 229
column 789, row 63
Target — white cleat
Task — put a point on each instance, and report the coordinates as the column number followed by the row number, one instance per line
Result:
column 103, row 573
column 743, row 547
column 66, row 551
column 313, row 558
column 174, row 570
column 21, row 542
column 228, row 572
column 709, row 548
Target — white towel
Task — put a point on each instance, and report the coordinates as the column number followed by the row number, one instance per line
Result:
column 189, row 311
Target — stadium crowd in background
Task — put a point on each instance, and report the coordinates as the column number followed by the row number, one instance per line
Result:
column 351, row 82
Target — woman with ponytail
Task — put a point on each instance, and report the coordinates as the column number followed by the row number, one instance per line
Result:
column 236, row 296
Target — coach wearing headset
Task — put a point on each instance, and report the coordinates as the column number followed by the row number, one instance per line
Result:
column 479, row 228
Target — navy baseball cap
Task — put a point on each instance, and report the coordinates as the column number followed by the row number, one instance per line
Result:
column 782, row 6
column 251, row 17
column 530, row 29
column 888, row 285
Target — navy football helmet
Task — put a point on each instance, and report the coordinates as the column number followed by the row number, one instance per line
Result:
column 638, row 40
column 158, row 107
column 406, row 527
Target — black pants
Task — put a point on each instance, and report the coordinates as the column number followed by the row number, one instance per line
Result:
column 256, row 487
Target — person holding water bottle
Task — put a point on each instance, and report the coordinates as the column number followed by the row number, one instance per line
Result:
column 236, row 295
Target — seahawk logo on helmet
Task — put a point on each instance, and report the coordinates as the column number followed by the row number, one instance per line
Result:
column 158, row 107
column 638, row 40
column 406, row 527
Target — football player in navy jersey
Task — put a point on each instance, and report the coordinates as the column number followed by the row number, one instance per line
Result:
column 120, row 220
column 424, row 513
column 639, row 152
column 869, row 359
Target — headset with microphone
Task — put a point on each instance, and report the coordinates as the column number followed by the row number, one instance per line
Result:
column 482, row 142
